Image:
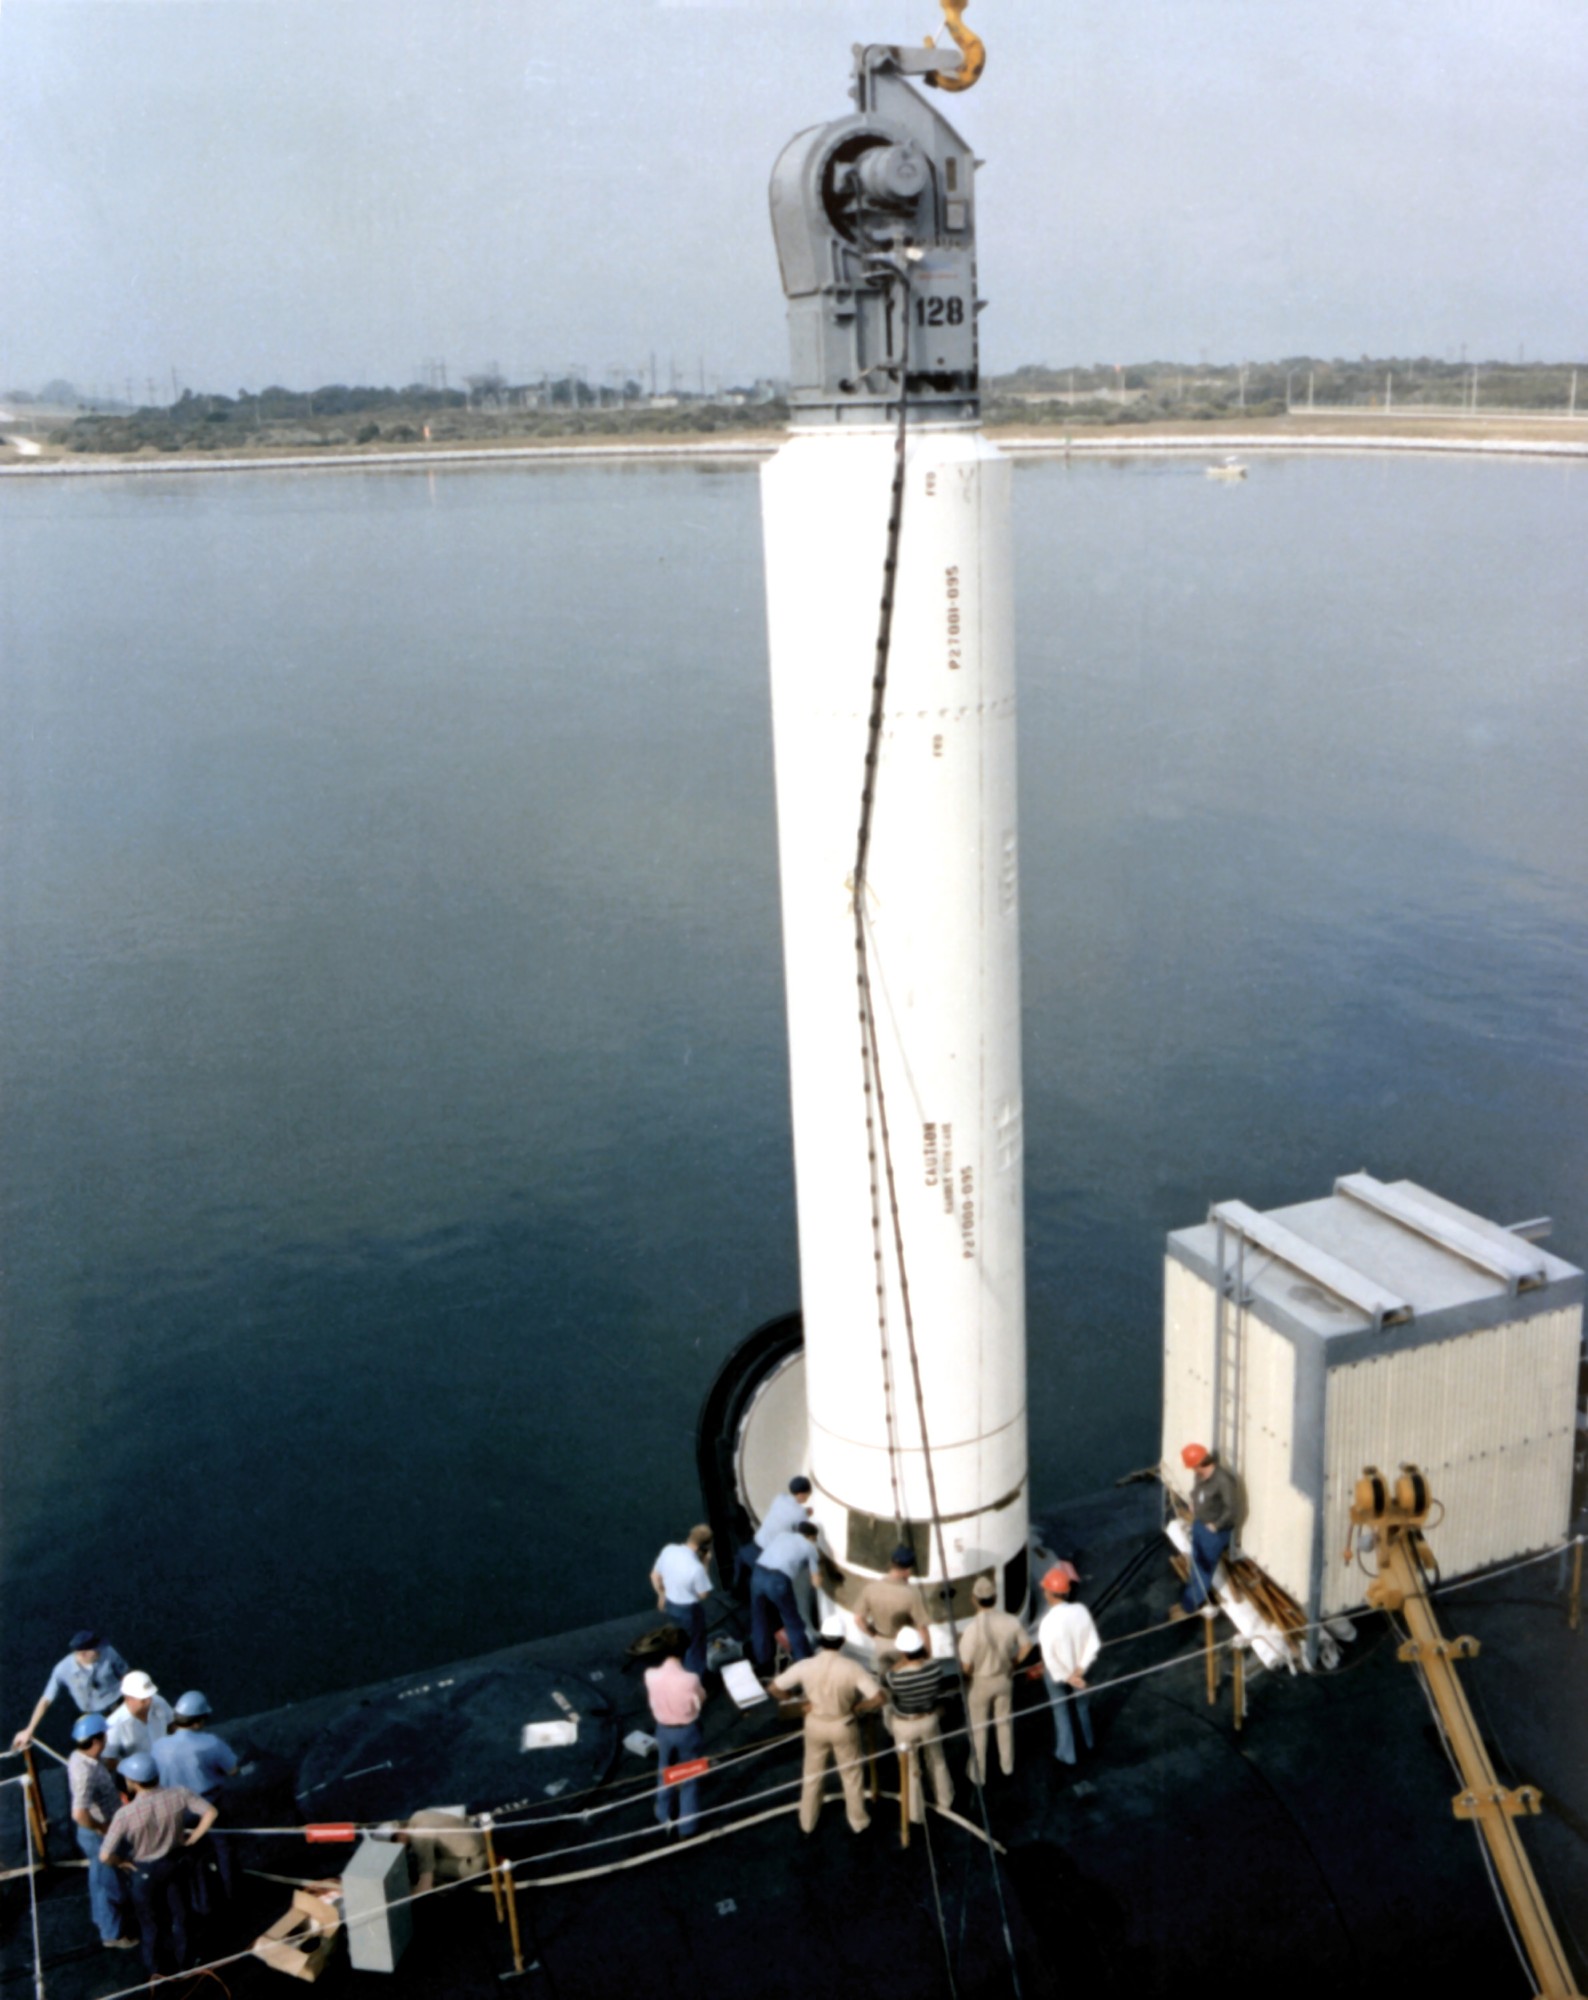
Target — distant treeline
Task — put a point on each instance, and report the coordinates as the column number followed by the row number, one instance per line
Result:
column 1142, row 391
column 340, row 415
column 491, row 407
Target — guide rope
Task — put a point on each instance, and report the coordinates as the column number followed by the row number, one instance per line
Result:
column 878, row 1136
column 870, row 1063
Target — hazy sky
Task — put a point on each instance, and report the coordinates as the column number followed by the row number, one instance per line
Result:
column 307, row 191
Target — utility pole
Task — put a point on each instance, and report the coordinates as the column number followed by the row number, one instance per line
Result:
column 1571, row 407
column 1389, row 392
column 1310, row 378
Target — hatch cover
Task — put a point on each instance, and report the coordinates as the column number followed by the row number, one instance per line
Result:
column 499, row 1739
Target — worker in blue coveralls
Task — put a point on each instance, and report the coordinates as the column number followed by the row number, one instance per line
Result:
column 1212, row 1524
column 772, row 1599
column 682, row 1584
column 785, row 1512
column 91, row 1674
column 194, row 1756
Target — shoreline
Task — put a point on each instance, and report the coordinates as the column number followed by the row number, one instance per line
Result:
column 1505, row 438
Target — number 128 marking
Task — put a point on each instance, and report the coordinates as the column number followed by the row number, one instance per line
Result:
column 940, row 312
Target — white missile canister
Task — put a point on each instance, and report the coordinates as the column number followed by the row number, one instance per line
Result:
column 904, row 1029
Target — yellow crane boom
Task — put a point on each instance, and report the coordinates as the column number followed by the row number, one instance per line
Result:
column 1397, row 1513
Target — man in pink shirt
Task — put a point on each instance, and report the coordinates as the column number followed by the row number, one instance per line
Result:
column 676, row 1697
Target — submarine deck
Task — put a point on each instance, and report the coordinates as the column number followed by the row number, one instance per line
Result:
column 1315, row 1846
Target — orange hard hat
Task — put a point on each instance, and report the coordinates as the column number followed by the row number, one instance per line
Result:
column 1060, row 1577
column 1194, row 1455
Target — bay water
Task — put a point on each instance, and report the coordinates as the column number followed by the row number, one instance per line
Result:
column 393, row 1101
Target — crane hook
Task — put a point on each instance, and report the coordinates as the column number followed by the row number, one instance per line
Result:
column 972, row 49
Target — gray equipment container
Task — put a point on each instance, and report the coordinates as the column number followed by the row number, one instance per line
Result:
column 375, row 1906
column 1378, row 1326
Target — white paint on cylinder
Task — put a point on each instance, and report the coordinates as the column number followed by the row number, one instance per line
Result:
column 942, row 913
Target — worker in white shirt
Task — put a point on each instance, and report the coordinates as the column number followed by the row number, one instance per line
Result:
column 682, row 1584
column 1069, row 1642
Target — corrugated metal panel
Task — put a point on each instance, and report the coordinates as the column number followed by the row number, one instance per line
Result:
column 1187, row 1366
column 1253, row 1430
column 1277, row 1530
column 1488, row 1416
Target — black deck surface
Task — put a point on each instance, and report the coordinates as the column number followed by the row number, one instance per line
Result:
column 1314, row 1848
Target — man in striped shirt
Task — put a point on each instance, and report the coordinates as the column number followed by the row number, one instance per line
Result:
column 914, row 1686
column 148, row 1841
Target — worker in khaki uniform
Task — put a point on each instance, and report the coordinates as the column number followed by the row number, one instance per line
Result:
column 837, row 1691
column 886, row 1606
column 991, row 1646
column 915, row 1693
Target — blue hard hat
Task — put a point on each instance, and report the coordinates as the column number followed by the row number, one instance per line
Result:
column 86, row 1727
column 192, row 1704
column 139, row 1769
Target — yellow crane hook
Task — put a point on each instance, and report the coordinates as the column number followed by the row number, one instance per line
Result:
column 973, row 51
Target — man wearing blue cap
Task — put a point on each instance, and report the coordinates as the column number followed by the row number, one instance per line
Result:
column 90, row 1673
column 148, row 1840
column 95, row 1803
column 192, row 1755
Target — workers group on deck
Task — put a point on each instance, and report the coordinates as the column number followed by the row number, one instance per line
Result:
column 144, row 1783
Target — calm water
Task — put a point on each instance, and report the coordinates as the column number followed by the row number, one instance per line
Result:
column 394, row 1125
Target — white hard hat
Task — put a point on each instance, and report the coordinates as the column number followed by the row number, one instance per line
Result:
column 137, row 1686
column 833, row 1627
column 908, row 1640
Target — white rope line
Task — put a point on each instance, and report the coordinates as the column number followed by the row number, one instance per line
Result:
column 1489, row 1575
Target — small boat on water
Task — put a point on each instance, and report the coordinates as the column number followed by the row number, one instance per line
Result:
column 1227, row 468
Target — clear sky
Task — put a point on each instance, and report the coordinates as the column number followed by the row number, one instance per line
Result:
column 308, row 191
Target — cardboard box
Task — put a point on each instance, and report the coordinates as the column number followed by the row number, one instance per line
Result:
column 300, row 1943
